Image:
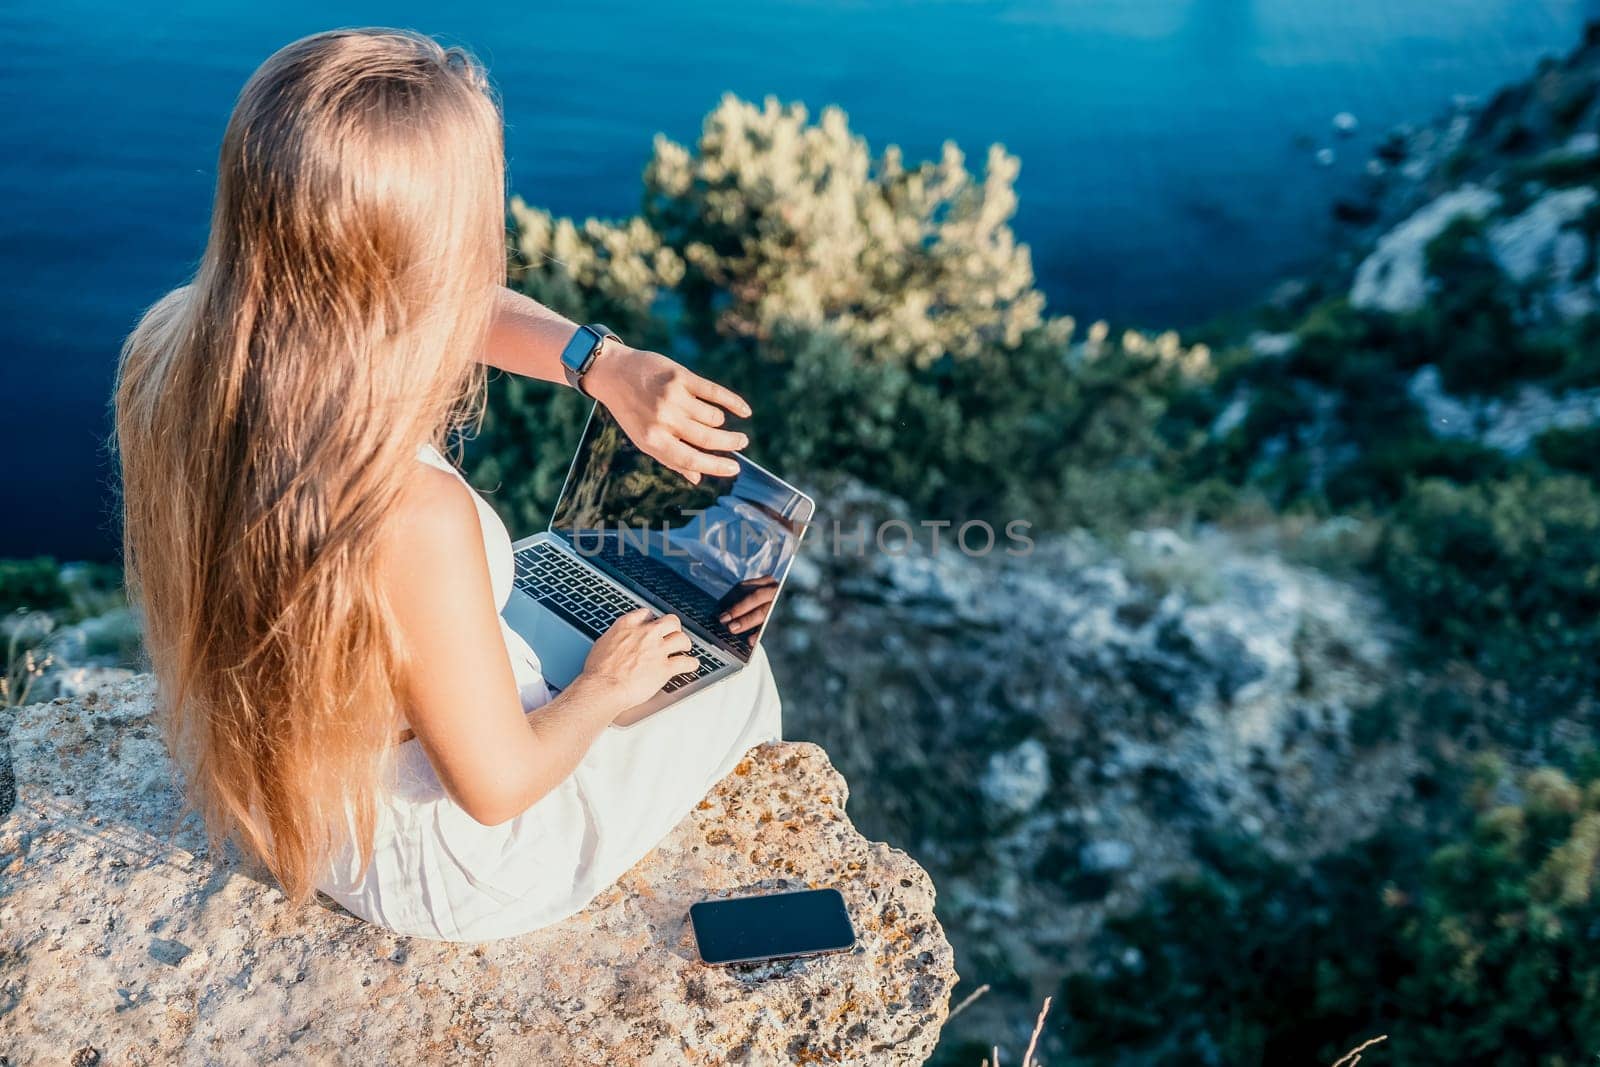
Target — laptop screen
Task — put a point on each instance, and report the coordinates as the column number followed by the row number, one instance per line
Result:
column 720, row 548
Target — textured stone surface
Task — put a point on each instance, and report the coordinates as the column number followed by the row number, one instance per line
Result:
column 118, row 933
column 1509, row 423
column 1547, row 248
column 1053, row 734
column 1395, row 276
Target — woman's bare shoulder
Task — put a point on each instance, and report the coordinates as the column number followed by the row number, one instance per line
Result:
column 434, row 571
column 435, row 529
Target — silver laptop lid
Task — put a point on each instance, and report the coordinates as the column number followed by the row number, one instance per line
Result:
column 700, row 551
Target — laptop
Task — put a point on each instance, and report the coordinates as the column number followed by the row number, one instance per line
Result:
column 628, row 532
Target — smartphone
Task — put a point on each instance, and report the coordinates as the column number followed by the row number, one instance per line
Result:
column 772, row 926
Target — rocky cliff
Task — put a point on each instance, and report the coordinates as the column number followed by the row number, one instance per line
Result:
column 1053, row 734
column 1531, row 130
column 124, row 940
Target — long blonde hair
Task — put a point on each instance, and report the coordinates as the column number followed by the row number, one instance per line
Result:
column 269, row 413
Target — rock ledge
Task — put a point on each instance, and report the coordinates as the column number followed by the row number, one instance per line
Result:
column 120, row 934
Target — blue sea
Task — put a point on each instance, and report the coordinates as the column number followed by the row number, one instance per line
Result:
column 1167, row 146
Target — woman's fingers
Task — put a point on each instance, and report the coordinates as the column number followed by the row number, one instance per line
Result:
column 750, row 619
column 749, row 616
column 721, row 395
column 636, row 617
column 741, row 610
column 711, row 439
column 751, row 610
column 680, row 422
column 756, row 591
column 705, row 414
column 702, row 412
column 692, row 463
column 678, row 641
column 684, row 662
column 672, row 414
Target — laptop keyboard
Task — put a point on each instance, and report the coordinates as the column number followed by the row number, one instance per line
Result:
column 689, row 600
column 588, row 602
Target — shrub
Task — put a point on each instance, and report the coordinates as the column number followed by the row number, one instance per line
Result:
column 1560, row 167
column 881, row 318
column 1472, row 325
column 32, row 584
column 784, row 223
column 1383, row 472
column 1502, row 937
column 1249, row 962
column 1574, row 450
column 520, row 456
column 1504, row 574
column 1033, row 431
column 1482, row 954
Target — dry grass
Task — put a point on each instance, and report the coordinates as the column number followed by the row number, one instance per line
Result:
column 1349, row 1059
column 1353, row 1057
column 1033, row 1042
column 967, row 1000
column 25, row 662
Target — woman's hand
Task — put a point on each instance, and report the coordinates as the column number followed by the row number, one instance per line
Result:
column 751, row 602
column 670, row 412
column 639, row 655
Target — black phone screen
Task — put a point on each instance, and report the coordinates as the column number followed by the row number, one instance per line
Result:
column 743, row 929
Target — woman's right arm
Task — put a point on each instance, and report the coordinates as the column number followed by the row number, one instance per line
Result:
column 459, row 690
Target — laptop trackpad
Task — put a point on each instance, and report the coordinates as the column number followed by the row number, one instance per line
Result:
column 560, row 648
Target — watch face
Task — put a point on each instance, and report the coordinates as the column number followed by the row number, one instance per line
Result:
column 580, row 351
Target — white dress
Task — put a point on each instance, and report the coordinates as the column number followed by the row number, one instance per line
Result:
column 437, row 873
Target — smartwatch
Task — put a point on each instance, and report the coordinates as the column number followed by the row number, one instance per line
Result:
column 581, row 351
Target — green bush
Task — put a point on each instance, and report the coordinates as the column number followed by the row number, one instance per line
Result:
column 1505, row 959
column 1345, row 348
column 31, row 584
column 1249, row 962
column 1576, row 451
column 881, row 318
column 1474, row 325
column 1483, row 954
column 1561, row 167
column 1332, row 424
column 1504, row 574
column 1382, row 473
column 1027, row 431
column 520, row 456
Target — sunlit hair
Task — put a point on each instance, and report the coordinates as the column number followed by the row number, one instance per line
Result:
column 269, row 414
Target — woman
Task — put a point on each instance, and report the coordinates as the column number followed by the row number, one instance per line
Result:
column 321, row 588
